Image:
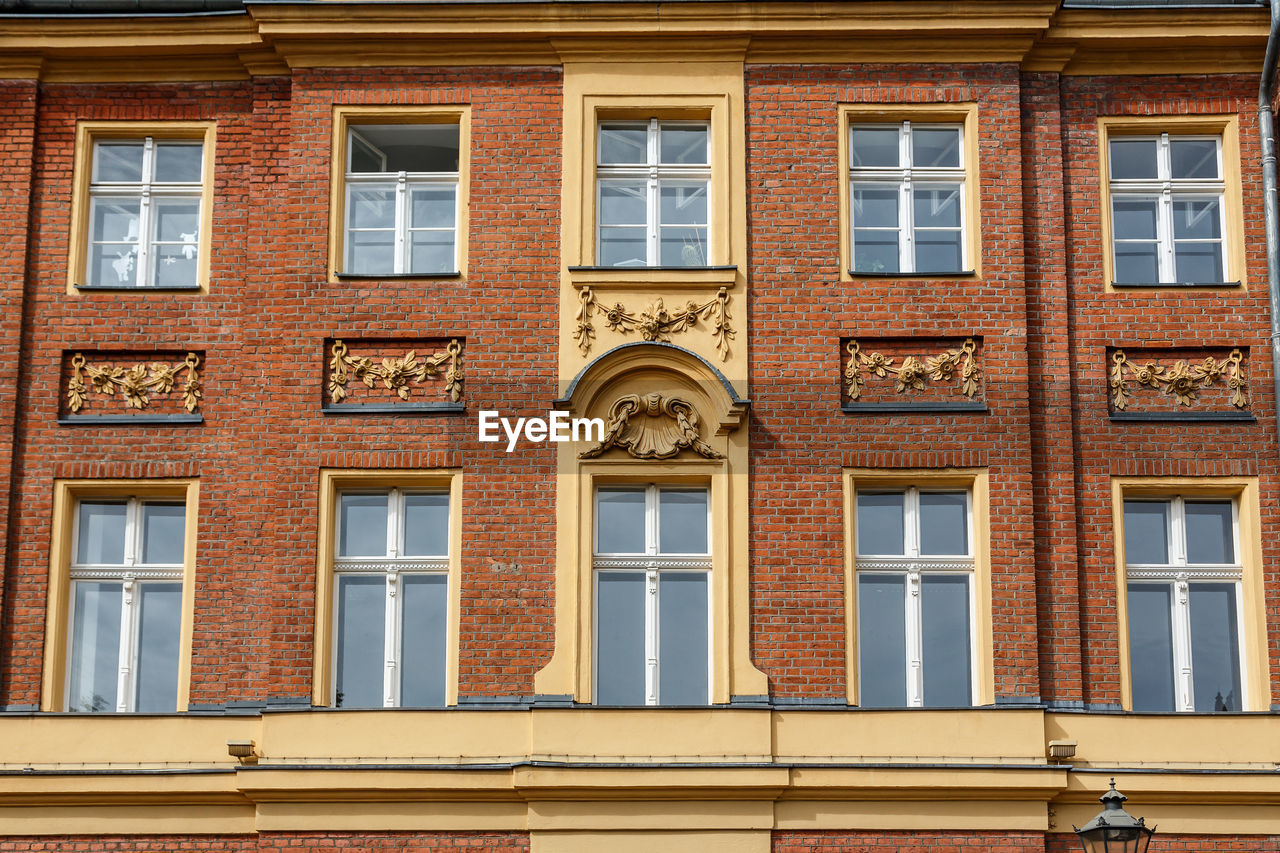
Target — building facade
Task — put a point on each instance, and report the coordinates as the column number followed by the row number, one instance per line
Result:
column 640, row 426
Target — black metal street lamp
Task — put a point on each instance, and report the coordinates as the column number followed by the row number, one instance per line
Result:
column 1115, row 830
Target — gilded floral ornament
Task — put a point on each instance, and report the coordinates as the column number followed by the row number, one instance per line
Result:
column 957, row 365
column 136, row 382
column 1182, row 380
column 395, row 374
column 653, row 426
column 657, row 322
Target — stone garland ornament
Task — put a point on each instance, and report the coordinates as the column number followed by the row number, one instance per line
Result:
column 1181, row 380
column 949, row 366
column 136, row 382
column 396, row 374
column 652, row 426
column 656, row 323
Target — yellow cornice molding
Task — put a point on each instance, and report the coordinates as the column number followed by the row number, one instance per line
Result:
column 20, row 66
column 887, row 48
column 128, row 36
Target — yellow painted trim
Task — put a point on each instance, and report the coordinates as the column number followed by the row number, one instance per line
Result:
column 333, row 481
column 1253, row 618
column 976, row 481
column 89, row 132
column 346, row 115
column 66, row 495
column 964, row 114
column 647, row 841
column 1226, row 126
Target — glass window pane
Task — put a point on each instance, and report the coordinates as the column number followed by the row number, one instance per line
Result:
column 944, row 523
column 100, row 537
column 1133, row 159
column 1136, row 262
column 432, row 207
column 112, row 266
column 178, row 163
column 371, row 207
column 882, row 641
column 938, row 251
column 1209, row 532
column 114, row 219
column 1134, row 218
column 118, row 161
column 620, row 665
column 624, row 247
column 945, row 658
column 371, row 252
column 175, row 264
column 875, row 205
column 159, row 618
column 431, row 252
column 881, row 523
column 1197, row 218
column 163, row 527
column 426, row 525
column 95, row 647
column 1215, row 647
column 362, row 526
column 683, row 247
column 682, row 521
column 361, row 641
column 1146, row 532
column 1151, row 646
column 1194, row 158
column 873, row 147
column 620, row 521
column 423, row 640
column 682, row 144
column 935, row 148
column 875, row 251
column 937, row 207
column 623, row 203
column 682, row 638
column 683, row 203
column 624, row 144
column 1198, row 262
column 404, row 148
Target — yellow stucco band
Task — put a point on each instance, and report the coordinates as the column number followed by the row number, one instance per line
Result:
column 574, row 776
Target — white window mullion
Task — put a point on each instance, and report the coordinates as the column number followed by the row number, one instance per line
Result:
column 124, row 677
column 651, row 634
column 915, row 641
column 1164, row 235
column 390, row 682
column 142, row 273
column 1182, row 644
column 400, row 263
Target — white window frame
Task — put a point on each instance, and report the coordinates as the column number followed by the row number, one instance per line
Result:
column 653, row 564
column 1164, row 187
column 143, row 257
column 404, row 183
column 907, row 178
column 654, row 173
column 1180, row 574
column 130, row 574
column 391, row 567
column 912, row 566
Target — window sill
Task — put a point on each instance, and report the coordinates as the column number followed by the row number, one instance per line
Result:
column 1174, row 285
column 398, row 276
column 134, row 288
column 942, row 274
column 967, row 406
column 418, row 409
column 717, row 276
column 182, row 419
column 1186, row 417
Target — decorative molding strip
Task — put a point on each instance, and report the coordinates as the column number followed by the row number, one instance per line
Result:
column 396, row 374
column 1182, row 380
column 950, row 366
column 662, row 427
column 655, row 323
column 137, row 382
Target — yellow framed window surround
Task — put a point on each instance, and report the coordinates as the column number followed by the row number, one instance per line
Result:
column 141, row 206
column 1172, row 214
column 918, row 589
column 1190, row 589
column 909, row 190
column 398, row 200
column 122, row 573
column 388, row 589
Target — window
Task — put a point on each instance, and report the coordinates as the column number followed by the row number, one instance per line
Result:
column 652, row 610
column 1168, row 209
column 391, row 603
column 401, row 199
column 907, row 188
column 914, row 569
column 1183, row 571
column 140, row 210
column 652, row 184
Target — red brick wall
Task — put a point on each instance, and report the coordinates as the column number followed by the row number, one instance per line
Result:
column 268, row 842
column 891, row 842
